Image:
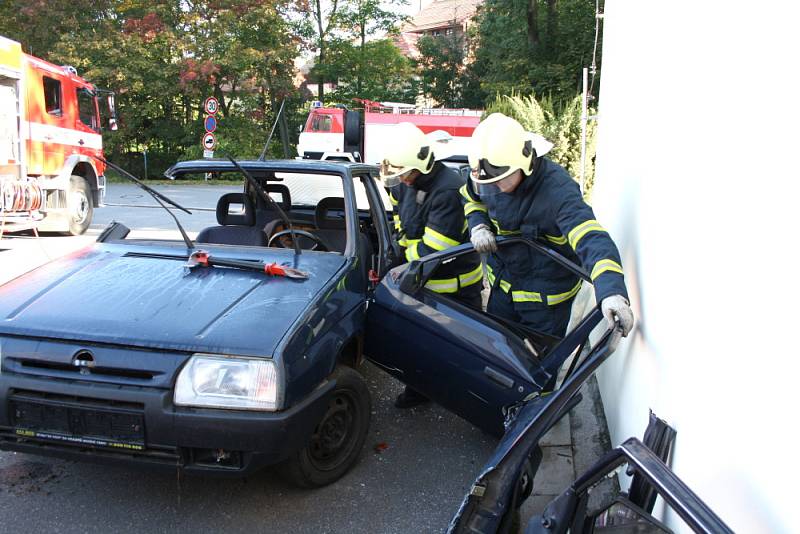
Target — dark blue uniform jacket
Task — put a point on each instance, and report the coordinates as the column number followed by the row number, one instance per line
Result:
column 546, row 206
column 429, row 217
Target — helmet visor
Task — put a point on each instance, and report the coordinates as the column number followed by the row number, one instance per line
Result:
column 488, row 173
column 392, row 175
column 491, row 172
column 488, row 185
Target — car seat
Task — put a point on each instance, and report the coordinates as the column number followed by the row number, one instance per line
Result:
column 329, row 218
column 234, row 228
column 267, row 217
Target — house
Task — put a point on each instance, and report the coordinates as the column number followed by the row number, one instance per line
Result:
column 437, row 19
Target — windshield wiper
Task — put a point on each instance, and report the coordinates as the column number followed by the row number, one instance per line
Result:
column 156, row 195
column 269, row 200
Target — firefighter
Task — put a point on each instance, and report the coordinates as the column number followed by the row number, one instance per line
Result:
column 516, row 191
column 429, row 217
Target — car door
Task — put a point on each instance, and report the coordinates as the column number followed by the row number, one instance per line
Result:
column 472, row 363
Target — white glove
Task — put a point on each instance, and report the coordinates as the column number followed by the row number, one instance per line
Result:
column 617, row 306
column 483, row 239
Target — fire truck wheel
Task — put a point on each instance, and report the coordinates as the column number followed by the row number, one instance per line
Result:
column 79, row 204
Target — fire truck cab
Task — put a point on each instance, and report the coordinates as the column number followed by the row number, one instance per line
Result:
column 50, row 131
column 340, row 133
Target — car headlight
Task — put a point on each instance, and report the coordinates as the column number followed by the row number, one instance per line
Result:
column 228, row 382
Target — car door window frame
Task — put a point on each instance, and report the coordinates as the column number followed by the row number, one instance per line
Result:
column 420, row 271
column 378, row 214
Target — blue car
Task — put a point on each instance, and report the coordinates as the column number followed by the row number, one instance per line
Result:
column 240, row 349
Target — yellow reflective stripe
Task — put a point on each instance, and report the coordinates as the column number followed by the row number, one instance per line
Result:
column 556, row 239
column 472, row 277
column 505, row 286
column 411, row 249
column 397, row 223
column 446, row 285
column 472, row 204
column 451, row 285
column 403, row 241
column 471, row 207
column 532, row 296
column 465, row 193
column 526, row 296
column 577, row 233
column 393, row 200
column 552, row 300
column 436, row 240
column 605, row 265
column 504, row 232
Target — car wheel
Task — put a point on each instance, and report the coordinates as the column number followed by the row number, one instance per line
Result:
column 79, row 205
column 338, row 438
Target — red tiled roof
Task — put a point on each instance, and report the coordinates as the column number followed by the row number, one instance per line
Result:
column 441, row 14
column 407, row 43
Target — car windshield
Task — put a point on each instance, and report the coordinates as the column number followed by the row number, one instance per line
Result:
column 231, row 211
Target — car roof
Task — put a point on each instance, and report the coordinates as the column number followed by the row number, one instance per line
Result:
column 279, row 165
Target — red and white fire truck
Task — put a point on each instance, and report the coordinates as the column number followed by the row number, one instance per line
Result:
column 340, row 133
column 49, row 130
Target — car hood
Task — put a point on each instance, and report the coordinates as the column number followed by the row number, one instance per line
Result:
column 143, row 296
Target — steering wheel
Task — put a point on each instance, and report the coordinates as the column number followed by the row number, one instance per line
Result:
column 318, row 244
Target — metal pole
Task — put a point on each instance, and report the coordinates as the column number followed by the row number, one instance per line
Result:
column 266, row 145
column 144, row 153
column 584, row 125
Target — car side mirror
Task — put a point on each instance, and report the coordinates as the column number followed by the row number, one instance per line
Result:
column 417, row 274
column 409, row 283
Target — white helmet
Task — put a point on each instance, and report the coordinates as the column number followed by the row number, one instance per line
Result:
column 501, row 146
column 408, row 150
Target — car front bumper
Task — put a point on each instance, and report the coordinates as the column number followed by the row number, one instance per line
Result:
column 209, row 441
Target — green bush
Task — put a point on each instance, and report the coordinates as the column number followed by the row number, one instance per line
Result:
column 560, row 125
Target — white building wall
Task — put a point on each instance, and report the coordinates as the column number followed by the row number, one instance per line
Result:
column 697, row 181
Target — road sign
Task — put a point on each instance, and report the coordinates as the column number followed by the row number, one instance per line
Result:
column 209, row 141
column 208, row 153
column 210, row 123
column 211, row 105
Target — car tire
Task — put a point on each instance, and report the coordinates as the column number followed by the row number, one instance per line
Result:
column 337, row 440
column 79, row 205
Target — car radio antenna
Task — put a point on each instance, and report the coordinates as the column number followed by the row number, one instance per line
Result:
column 269, row 200
column 156, row 195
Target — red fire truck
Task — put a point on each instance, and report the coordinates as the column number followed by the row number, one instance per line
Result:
column 340, row 133
column 49, row 130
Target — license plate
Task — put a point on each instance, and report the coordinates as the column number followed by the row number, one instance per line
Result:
column 79, row 426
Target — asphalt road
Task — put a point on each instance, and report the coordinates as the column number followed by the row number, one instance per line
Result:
column 413, row 485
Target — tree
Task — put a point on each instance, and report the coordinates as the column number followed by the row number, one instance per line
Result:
column 540, row 53
column 322, row 19
column 441, row 65
column 163, row 58
column 364, row 18
column 376, row 71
